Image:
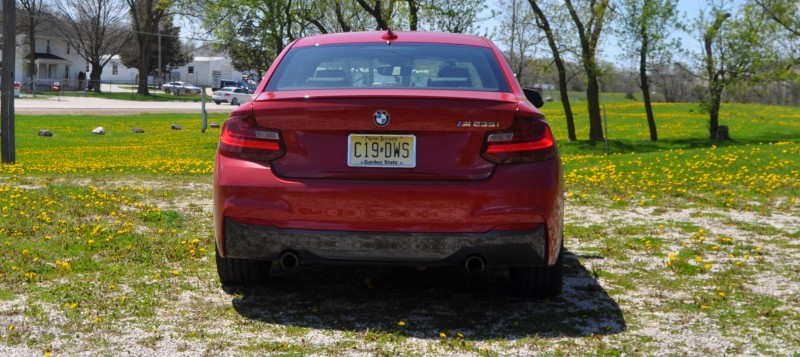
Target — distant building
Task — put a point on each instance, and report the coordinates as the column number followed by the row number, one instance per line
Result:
column 203, row 71
column 56, row 61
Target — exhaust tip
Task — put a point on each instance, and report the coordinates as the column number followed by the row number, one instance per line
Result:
column 474, row 264
column 289, row 261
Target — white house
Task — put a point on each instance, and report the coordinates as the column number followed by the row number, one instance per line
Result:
column 56, row 62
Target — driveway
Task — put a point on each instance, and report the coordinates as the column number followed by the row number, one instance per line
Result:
column 89, row 105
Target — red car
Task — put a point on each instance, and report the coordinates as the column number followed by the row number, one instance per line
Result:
column 390, row 148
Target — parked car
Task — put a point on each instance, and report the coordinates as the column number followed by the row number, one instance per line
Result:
column 231, row 83
column 401, row 148
column 233, row 95
column 178, row 87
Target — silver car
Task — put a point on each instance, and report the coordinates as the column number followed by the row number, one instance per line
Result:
column 178, row 88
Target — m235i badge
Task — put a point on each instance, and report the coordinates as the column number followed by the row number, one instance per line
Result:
column 478, row 124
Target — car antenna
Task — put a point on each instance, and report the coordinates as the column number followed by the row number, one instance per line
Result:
column 389, row 36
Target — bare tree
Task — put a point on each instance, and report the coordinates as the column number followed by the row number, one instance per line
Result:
column 33, row 20
column 95, row 29
column 519, row 32
column 145, row 16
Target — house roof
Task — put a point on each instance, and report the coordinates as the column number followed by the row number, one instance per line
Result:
column 49, row 58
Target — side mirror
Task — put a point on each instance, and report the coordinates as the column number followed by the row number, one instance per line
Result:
column 534, row 97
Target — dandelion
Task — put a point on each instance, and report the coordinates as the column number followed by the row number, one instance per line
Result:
column 25, row 252
column 707, row 266
column 698, row 258
column 401, row 323
column 442, row 335
column 721, row 294
column 704, row 307
column 175, row 272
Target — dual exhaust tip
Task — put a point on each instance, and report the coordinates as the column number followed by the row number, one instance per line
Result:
column 473, row 264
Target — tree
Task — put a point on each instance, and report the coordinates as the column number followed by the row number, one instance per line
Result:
column 519, row 32
column 786, row 13
column 253, row 38
column 543, row 22
column 173, row 54
column 329, row 16
column 645, row 25
column 34, row 19
column 145, row 17
column 380, row 10
column 451, row 16
column 736, row 48
column 93, row 28
column 589, row 20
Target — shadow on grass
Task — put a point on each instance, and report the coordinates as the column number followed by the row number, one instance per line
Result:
column 431, row 301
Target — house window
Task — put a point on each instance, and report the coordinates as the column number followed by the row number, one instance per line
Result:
column 114, row 69
column 67, row 70
column 191, row 69
column 48, row 46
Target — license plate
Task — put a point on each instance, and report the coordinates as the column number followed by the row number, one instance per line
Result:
column 373, row 150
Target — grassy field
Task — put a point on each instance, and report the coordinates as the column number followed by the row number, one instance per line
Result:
column 680, row 247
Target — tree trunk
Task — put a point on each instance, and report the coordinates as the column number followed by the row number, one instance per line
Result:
column 593, row 100
column 32, row 68
column 413, row 17
column 713, row 109
column 645, row 84
column 544, row 24
column 94, row 77
column 144, row 68
column 563, row 90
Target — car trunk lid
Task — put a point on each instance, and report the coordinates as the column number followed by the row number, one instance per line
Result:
column 327, row 132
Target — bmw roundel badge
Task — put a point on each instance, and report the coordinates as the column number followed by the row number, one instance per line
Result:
column 380, row 118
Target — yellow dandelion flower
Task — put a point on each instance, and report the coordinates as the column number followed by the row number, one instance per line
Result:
column 704, row 307
column 707, row 266
column 401, row 323
column 698, row 258
column 175, row 272
column 721, row 294
column 25, row 252
column 442, row 334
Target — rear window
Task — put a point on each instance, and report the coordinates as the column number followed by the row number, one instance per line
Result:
column 413, row 66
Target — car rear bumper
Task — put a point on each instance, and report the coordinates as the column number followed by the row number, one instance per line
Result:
column 496, row 248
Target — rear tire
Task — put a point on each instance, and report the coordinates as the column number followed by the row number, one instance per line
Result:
column 242, row 272
column 235, row 102
column 216, row 102
column 538, row 282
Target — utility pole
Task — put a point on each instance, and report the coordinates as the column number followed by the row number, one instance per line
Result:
column 7, row 82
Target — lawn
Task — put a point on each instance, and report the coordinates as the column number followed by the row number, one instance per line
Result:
column 683, row 246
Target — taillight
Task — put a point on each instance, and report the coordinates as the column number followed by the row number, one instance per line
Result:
column 243, row 138
column 528, row 140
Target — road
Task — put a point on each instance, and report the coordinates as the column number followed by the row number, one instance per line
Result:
column 89, row 105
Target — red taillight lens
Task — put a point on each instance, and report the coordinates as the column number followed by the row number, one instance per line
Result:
column 528, row 140
column 243, row 138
